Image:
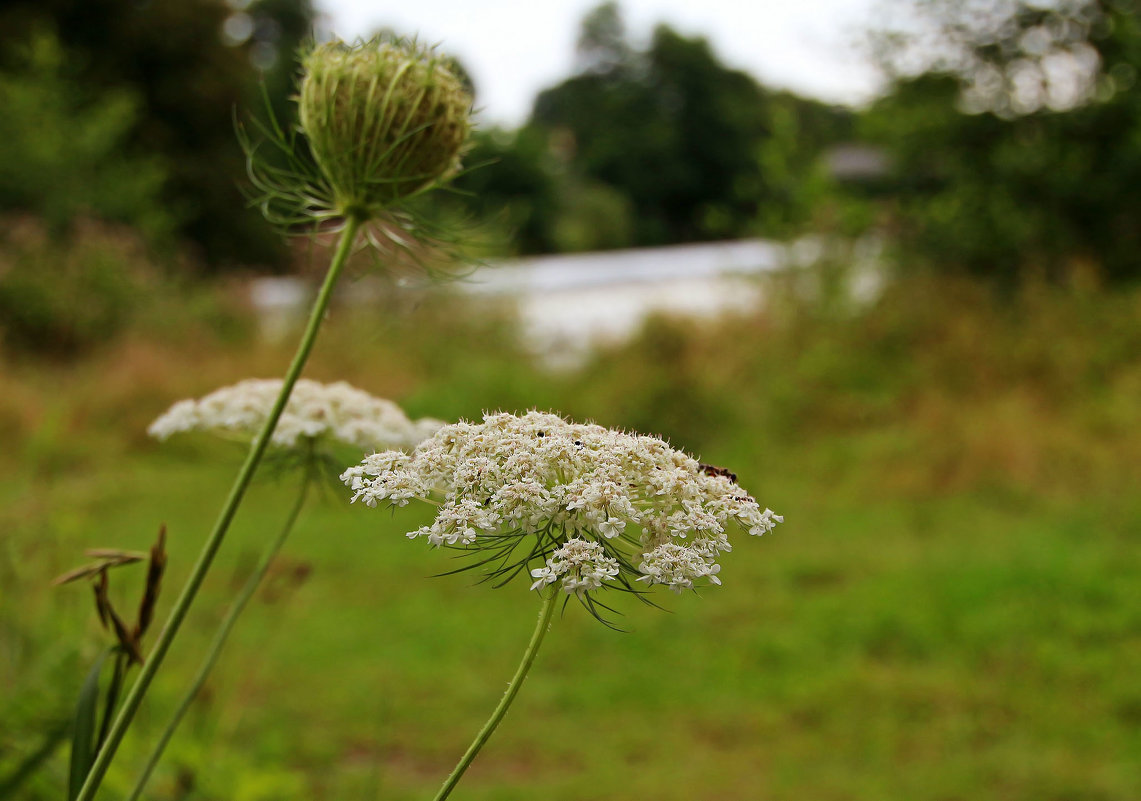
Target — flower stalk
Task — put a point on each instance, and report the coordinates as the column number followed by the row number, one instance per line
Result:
column 213, row 542
column 544, row 623
column 223, row 633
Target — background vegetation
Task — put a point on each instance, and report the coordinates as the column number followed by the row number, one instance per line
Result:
column 950, row 610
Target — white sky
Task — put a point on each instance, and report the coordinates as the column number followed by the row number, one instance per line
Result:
column 515, row 49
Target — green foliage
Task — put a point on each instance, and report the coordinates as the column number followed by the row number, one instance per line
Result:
column 60, row 297
column 281, row 29
column 653, row 147
column 593, row 216
column 924, row 348
column 182, row 78
column 797, row 184
column 84, row 741
column 64, row 294
column 958, row 567
column 672, row 129
column 61, row 149
column 1036, row 181
column 517, row 187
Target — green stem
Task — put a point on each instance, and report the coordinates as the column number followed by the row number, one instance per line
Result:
column 214, row 541
column 113, row 691
column 485, row 733
column 220, row 637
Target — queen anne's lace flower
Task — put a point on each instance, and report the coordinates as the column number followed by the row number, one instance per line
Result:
column 582, row 565
column 595, row 505
column 334, row 411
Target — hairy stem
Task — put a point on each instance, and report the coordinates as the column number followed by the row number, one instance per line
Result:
column 227, row 625
column 214, row 541
column 485, row 733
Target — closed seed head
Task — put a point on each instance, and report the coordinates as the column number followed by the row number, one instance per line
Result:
column 384, row 119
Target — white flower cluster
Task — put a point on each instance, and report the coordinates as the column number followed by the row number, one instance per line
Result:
column 583, row 566
column 596, row 499
column 336, row 411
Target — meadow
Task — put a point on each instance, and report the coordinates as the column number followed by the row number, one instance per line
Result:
column 949, row 612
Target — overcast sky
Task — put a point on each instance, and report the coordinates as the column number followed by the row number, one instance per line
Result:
column 515, row 49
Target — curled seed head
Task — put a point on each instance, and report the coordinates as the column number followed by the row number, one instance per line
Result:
column 384, row 119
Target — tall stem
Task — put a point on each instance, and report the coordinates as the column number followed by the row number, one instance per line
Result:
column 222, row 525
column 484, row 735
column 215, row 650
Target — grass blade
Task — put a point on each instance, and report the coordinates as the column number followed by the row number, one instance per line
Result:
column 83, row 733
column 31, row 763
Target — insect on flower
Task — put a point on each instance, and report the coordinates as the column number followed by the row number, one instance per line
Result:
column 712, row 470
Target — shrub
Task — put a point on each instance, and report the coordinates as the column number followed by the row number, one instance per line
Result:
column 63, row 296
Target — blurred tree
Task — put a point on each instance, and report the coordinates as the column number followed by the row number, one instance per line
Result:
column 592, row 216
column 278, row 29
column 188, row 65
column 672, row 129
column 602, row 44
column 62, row 151
column 799, row 188
column 1013, row 57
column 518, row 188
column 1014, row 137
column 653, row 147
column 693, row 149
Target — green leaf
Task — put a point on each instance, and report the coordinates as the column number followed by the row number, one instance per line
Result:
column 33, row 761
column 83, row 736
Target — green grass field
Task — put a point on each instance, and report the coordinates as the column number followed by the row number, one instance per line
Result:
column 951, row 610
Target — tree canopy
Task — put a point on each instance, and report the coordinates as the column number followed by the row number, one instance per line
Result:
column 186, row 67
column 1015, row 145
column 653, row 146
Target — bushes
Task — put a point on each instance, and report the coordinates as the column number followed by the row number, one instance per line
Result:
column 63, row 148
column 941, row 384
column 63, row 294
